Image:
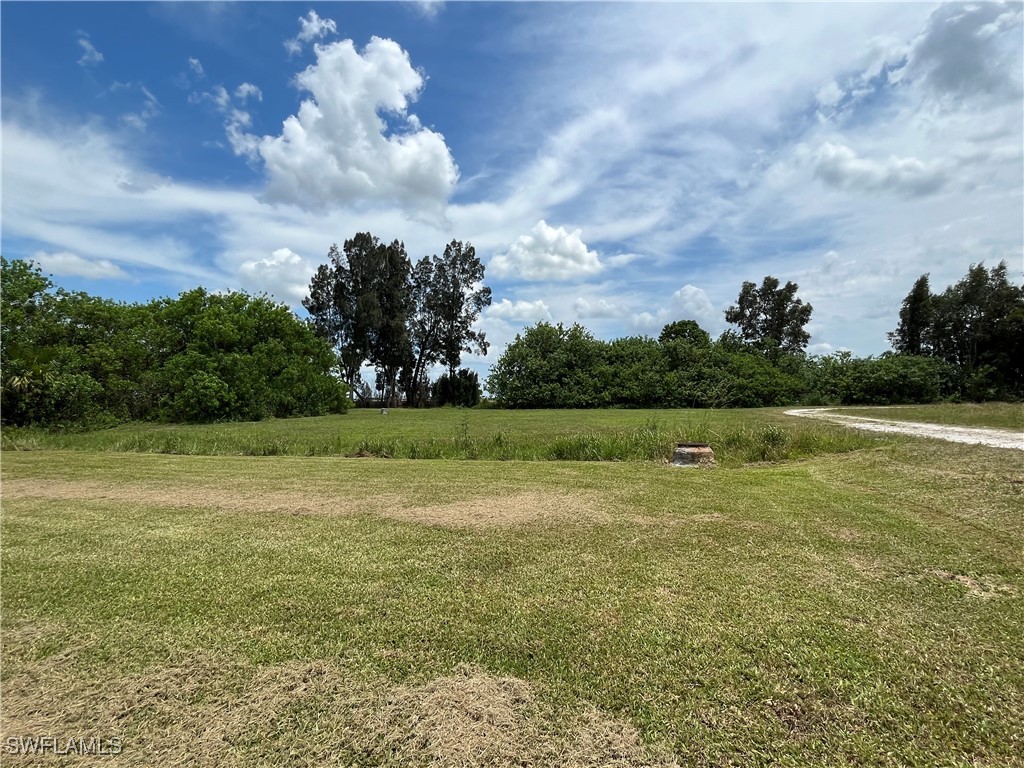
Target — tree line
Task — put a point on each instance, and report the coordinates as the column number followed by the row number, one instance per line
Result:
column 68, row 358
column 966, row 343
column 374, row 307
column 71, row 359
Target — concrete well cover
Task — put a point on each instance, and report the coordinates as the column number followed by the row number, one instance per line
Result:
column 693, row 455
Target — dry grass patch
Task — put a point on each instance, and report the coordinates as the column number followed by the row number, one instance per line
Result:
column 474, row 512
column 211, row 712
column 981, row 586
column 868, row 567
column 515, row 509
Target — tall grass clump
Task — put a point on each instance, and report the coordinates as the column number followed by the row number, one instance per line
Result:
column 737, row 438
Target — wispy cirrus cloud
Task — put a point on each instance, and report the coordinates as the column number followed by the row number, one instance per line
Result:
column 90, row 56
column 65, row 263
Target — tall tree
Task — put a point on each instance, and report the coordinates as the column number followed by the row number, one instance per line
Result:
column 359, row 303
column 461, row 297
column 372, row 305
column 771, row 317
column 978, row 326
column 390, row 346
column 911, row 336
column 424, row 329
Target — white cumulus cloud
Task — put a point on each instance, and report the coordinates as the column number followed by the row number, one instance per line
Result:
column 338, row 150
column 248, row 90
column 284, row 274
column 598, row 308
column 67, row 264
column 525, row 311
column 311, row 27
column 688, row 303
column 840, row 166
column 692, row 303
column 547, row 253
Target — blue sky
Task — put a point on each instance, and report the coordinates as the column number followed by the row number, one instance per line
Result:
column 619, row 165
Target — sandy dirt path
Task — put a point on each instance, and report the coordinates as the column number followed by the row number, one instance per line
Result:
column 997, row 438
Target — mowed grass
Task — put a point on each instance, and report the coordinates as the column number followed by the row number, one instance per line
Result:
column 737, row 436
column 855, row 609
column 999, row 415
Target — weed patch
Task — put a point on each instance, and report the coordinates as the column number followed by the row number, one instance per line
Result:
column 737, row 437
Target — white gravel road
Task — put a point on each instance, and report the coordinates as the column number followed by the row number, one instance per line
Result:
column 997, row 438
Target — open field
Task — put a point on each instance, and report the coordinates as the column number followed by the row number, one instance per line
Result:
column 862, row 608
column 739, row 436
column 999, row 415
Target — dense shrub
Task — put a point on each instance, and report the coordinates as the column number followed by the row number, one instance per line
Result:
column 556, row 367
column 841, row 379
column 463, row 389
column 74, row 359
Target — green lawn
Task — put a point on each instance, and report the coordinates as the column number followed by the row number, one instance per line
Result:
column 1001, row 415
column 738, row 436
column 863, row 608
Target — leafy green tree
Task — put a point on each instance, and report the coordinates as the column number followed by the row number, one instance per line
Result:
column 911, row 336
column 892, row 379
column 752, row 380
column 344, row 302
column 236, row 356
column 771, row 318
column 360, row 303
column 551, row 366
column 463, row 389
column 372, row 305
column 975, row 325
column 424, row 330
column 26, row 354
column 637, row 370
column 695, row 376
column 461, row 296
column 685, row 330
column 390, row 345
column 329, row 305
column 71, row 359
column 447, row 297
column 67, row 357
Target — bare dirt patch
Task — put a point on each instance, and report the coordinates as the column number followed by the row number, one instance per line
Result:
column 208, row 712
column 476, row 512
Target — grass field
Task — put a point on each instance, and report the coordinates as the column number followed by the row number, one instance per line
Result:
column 1000, row 415
column 855, row 608
column 739, row 436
